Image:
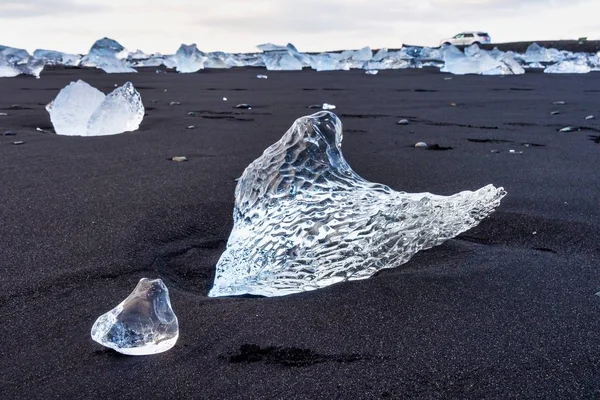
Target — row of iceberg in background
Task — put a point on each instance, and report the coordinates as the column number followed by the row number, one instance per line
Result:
column 112, row 57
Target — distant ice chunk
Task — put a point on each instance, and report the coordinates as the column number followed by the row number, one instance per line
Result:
column 51, row 57
column 82, row 110
column 281, row 61
column 569, row 67
column 458, row 63
column 13, row 55
column 328, row 62
column 189, row 59
column 109, row 56
column 304, row 220
column 538, row 54
column 271, row 47
column 143, row 324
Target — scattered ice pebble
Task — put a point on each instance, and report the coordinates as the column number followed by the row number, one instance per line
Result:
column 515, row 152
column 166, row 90
column 494, row 151
column 191, row 127
column 421, row 145
column 567, row 129
column 589, row 117
column 179, row 159
column 3, row 114
column 9, row 133
column 403, row 122
column 555, row 113
column 304, row 220
column 175, row 103
column 559, row 103
column 18, row 142
column 143, row 324
column 224, row 98
column 328, row 106
column 262, row 76
column 82, row 110
column 448, row 78
column 116, row 85
column 41, row 130
column 244, row 106
column 372, row 72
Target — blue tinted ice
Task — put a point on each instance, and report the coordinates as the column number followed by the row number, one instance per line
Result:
column 303, row 219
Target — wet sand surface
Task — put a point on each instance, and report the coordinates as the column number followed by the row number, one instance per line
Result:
column 506, row 310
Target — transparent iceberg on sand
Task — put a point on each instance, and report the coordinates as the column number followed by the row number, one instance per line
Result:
column 281, row 61
column 82, row 110
column 13, row 55
column 303, row 219
column 569, row 67
column 27, row 66
column 143, row 324
column 189, row 59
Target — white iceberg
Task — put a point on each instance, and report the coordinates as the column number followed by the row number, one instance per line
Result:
column 82, row 110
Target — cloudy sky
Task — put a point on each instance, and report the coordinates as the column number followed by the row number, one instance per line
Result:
column 312, row 25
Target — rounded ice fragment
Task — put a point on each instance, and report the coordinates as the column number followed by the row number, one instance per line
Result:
column 73, row 107
column 303, row 219
column 121, row 111
column 421, row 145
column 143, row 324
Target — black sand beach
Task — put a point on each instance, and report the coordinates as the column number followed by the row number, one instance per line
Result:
column 506, row 310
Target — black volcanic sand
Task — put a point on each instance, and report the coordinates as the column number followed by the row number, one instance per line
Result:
column 506, row 310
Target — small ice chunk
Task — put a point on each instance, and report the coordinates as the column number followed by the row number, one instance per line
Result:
column 403, row 122
column 559, row 103
column 143, row 324
column 244, row 106
column 328, row 106
column 589, row 117
column 71, row 110
column 121, row 111
column 17, row 143
column 555, row 113
column 179, row 159
column 372, row 72
column 3, row 114
column 568, row 129
column 421, row 145
column 175, row 103
column 82, row 110
column 262, row 77
column 224, row 98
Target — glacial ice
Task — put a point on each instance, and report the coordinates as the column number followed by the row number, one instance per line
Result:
column 536, row 54
column 13, row 55
column 51, row 57
column 569, row 67
column 143, row 324
column 109, row 56
column 281, row 61
column 189, row 59
column 303, row 219
column 478, row 61
column 82, row 110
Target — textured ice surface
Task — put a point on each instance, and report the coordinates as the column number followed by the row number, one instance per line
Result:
column 536, row 53
column 82, row 110
column 189, row 59
column 569, row 67
column 303, row 219
column 121, row 111
column 143, row 324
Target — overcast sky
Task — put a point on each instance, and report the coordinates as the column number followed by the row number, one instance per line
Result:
column 312, row 25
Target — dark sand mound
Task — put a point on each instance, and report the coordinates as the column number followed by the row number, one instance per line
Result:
column 506, row 310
